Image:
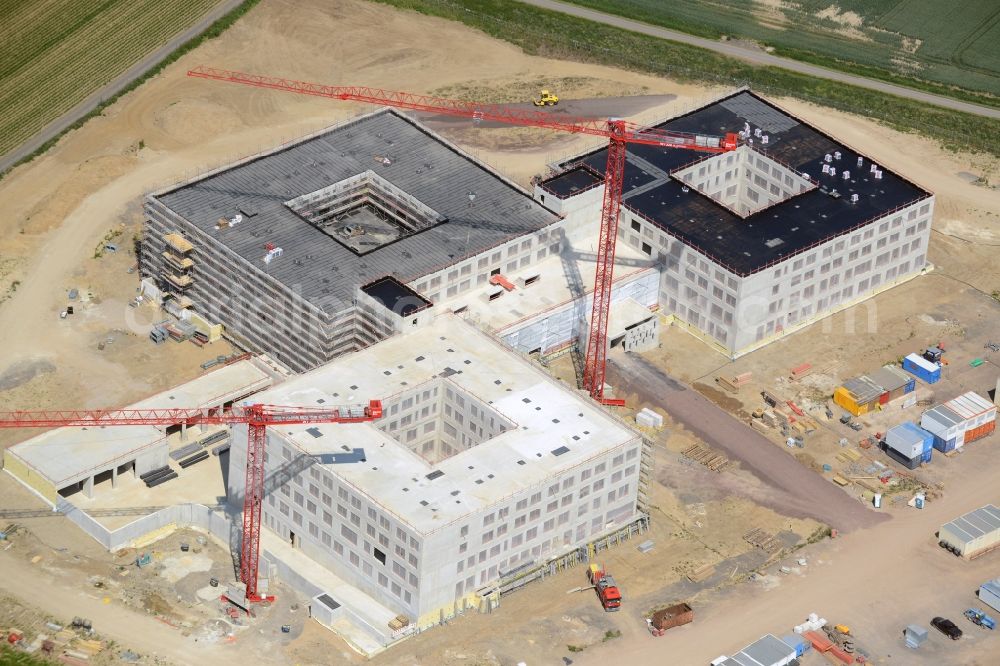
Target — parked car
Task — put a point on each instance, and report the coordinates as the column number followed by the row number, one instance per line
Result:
column 947, row 627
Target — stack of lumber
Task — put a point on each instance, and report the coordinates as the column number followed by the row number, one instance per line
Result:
column 763, row 540
column 702, row 573
column 706, row 457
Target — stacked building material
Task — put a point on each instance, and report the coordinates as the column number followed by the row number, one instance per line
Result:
column 800, row 371
column 647, row 417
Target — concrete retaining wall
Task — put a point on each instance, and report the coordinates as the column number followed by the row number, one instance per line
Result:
column 180, row 515
column 288, row 575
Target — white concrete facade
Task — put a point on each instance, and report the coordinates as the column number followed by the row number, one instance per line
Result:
column 740, row 313
column 481, row 465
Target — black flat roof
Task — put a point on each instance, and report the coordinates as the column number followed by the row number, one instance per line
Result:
column 396, row 296
column 572, row 181
column 800, row 222
column 420, row 164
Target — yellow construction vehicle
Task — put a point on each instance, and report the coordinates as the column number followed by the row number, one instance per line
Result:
column 547, row 99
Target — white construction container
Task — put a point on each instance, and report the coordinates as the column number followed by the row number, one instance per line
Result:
column 949, row 422
column 974, row 533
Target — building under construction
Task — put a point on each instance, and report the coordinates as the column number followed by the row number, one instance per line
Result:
column 305, row 252
column 758, row 242
column 353, row 234
column 483, row 473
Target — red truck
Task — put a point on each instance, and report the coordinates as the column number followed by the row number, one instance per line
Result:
column 607, row 590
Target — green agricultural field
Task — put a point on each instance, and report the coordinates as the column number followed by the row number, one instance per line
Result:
column 54, row 53
column 950, row 47
column 558, row 35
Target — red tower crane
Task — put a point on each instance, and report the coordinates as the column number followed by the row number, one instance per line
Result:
column 256, row 417
column 618, row 132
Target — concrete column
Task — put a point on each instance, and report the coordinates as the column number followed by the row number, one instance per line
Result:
column 114, row 476
column 184, row 430
column 88, row 487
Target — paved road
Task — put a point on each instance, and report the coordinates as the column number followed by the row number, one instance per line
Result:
column 110, row 89
column 763, row 58
column 810, row 494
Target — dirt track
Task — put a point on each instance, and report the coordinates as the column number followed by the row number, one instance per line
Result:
column 810, row 495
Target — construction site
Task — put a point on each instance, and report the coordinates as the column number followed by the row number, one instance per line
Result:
column 697, row 379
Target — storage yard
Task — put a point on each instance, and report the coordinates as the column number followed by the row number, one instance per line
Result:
column 364, row 417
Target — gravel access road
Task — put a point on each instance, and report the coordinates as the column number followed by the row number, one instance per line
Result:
column 811, row 495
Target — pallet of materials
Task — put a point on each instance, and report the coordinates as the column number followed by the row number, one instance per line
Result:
column 702, row 573
column 213, row 438
column 196, row 458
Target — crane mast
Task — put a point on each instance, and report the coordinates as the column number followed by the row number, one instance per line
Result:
column 619, row 133
column 257, row 418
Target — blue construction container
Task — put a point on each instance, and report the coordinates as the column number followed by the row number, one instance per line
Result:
column 796, row 642
column 945, row 445
column 925, row 457
column 922, row 368
column 909, row 439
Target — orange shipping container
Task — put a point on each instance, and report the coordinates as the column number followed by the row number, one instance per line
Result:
column 841, row 655
column 820, row 642
column 979, row 432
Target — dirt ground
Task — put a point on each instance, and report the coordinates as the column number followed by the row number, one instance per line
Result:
column 60, row 208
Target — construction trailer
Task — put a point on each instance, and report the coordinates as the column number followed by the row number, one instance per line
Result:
column 894, row 382
column 920, row 367
column 960, row 421
column 911, row 444
column 974, row 534
column 867, row 393
column 768, row 650
column 859, row 395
